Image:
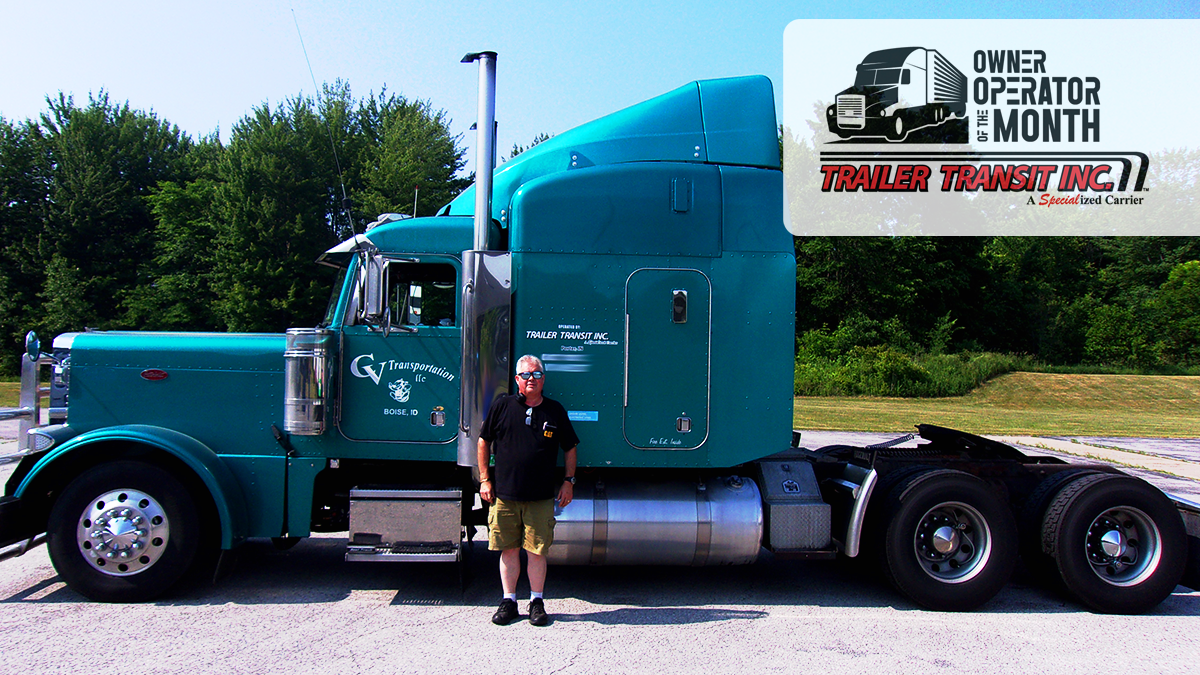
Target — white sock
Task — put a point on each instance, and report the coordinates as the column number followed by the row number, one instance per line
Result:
column 534, row 596
column 510, row 596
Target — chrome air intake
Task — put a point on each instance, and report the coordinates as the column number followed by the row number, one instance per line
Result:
column 307, row 372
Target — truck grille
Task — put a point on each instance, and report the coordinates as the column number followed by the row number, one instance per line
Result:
column 851, row 105
column 851, row 111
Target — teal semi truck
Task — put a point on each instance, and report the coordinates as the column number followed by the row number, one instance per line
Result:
column 643, row 258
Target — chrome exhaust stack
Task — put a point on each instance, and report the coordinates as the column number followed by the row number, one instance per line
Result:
column 487, row 284
column 485, row 142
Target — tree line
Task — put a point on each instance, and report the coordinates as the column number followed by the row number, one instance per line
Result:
column 113, row 218
column 1123, row 301
column 932, row 316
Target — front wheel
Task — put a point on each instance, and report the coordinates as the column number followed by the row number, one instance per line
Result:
column 1119, row 543
column 951, row 542
column 123, row 532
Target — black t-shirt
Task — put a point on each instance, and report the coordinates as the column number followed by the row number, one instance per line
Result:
column 527, row 453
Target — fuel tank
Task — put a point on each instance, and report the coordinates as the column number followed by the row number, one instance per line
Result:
column 715, row 521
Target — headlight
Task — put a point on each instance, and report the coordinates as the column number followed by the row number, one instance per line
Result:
column 62, row 373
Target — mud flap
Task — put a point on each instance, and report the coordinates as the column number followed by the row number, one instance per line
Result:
column 12, row 526
column 1191, row 576
column 1190, row 512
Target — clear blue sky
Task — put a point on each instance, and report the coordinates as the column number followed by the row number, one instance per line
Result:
column 204, row 65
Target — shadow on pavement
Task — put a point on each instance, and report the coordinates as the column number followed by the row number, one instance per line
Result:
column 315, row 572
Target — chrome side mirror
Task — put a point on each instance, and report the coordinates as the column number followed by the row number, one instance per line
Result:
column 376, row 278
column 32, row 346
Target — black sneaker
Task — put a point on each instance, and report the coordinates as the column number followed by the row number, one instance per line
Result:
column 537, row 613
column 506, row 613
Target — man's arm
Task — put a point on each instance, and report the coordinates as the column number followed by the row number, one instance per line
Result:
column 567, row 492
column 482, row 457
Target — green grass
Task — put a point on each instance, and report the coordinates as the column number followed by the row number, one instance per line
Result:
column 1027, row 403
column 9, row 391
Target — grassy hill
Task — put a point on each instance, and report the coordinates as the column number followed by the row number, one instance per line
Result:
column 1027, row 403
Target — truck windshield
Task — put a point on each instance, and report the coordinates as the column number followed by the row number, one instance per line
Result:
column 867, row 78
column 887, row 76
column 333, row 298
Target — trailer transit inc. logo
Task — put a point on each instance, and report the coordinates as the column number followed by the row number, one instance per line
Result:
column 958, row 134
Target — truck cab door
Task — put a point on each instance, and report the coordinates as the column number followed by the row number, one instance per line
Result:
column 399, row 371
column 667, row 362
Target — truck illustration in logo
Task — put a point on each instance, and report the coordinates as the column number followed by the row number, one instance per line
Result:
column 898, row 91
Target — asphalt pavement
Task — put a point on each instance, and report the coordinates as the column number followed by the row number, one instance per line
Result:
column 307, row 610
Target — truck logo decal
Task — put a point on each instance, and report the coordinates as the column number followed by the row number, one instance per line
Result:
column 372, row 371
column 987, row 128
column 365, row 366
column 899, row 91
column 400, row 390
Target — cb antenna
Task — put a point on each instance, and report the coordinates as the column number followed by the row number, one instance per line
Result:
column 332, row 146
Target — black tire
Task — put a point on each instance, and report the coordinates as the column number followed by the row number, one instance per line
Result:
column 898, row 128
column 1119, row 544
column 951, row 541
column 1040, row 564
column 123, row 532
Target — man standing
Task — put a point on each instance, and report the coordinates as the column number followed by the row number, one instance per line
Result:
column 525, row 432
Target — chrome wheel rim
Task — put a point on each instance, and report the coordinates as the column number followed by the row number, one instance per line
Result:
column 953, row 542
column 1123, row 546
column 122, row 532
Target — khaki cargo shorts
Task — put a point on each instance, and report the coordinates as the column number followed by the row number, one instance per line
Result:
column 529, row 525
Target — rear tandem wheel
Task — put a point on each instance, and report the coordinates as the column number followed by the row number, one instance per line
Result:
column 1029, row 524
column 1118, row 542
column 950, row 542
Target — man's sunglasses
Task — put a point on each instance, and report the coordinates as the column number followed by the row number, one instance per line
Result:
column 535, row 374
